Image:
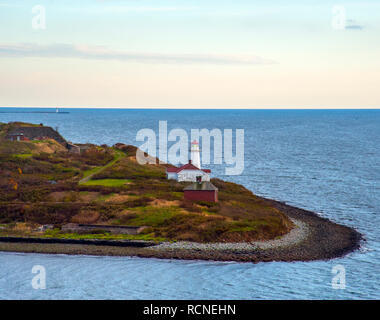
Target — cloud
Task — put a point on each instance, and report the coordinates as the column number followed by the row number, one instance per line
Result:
column 9, row 5
column 353, row 25
column 104, row 53
column 143, row 9
column 102, row 8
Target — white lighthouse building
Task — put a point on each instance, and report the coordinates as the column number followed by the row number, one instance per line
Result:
column 195, row 154
column 190, row 172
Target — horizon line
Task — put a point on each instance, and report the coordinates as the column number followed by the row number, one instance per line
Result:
column 194, row 108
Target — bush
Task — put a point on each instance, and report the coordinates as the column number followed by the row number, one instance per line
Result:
column 208, row 204
column 140, row 202
column 190, row 206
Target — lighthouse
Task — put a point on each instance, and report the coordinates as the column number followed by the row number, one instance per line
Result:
column 190, row 172
column 195, row 154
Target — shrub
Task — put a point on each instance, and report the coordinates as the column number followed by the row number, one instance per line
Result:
column 86, row 216
column 190, row 206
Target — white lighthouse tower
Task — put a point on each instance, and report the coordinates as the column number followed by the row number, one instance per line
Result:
column 195, row 154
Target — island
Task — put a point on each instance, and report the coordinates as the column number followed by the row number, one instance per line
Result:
column 61, row 197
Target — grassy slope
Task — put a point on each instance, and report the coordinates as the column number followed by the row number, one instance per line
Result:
column 88, row 174
column 120, row 191
column 107, row 182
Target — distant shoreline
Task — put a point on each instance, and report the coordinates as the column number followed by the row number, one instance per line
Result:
column 317, row 239
column 35, row 112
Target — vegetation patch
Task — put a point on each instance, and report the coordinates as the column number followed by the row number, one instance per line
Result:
column 107, row 182
column 106, row 185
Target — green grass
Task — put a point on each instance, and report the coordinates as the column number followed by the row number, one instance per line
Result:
column 153, row 216
column 107, row 182
column 89, row 173
column 23, row 155
column 103, row 236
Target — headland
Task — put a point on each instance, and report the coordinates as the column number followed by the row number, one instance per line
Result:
column 61, row 197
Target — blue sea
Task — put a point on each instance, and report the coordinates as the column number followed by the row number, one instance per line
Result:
column 326, row 161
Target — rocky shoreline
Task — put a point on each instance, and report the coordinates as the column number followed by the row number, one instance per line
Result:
column 313, row 238
column 296, row 235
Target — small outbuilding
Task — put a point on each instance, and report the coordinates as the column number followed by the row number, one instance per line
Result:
column 73, row 148
column 16, row 137
column 26, row 133
column 201, row 191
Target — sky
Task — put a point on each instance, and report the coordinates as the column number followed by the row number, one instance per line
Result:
column 190, row 53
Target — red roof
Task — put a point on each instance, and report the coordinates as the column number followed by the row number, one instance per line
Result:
column 187, row 166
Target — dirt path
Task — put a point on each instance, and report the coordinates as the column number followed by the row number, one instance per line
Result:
column 119, row 155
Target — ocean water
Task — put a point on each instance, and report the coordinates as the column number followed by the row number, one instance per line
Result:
column 326, row 161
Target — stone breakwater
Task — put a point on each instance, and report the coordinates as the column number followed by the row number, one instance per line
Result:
column 296, row 235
